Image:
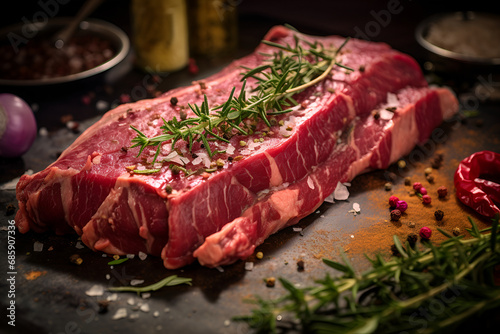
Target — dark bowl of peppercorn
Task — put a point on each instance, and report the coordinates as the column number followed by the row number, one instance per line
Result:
column 29, row 57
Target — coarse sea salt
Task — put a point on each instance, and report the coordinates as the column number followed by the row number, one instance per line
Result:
column 248, row 266
column 341, row 193
column 120, row 314
column 95, row 290
column 37, row 246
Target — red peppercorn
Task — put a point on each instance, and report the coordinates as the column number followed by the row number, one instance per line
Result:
column 417, row 186
column 423, row 191
column 425, row 232
column 426, row 199
column 395, row 215
column 442, row 191
column 393, row 201
column 402, row 206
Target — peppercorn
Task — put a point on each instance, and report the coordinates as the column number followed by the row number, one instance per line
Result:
column 270, row 281
column 411, row 224
column 426, row 199
column 456, row 231
column 439, row 215
column 442, row 191
column 430, row 178
column 425, row 233
column 300, row 265
column 402, row 164
column 10, row 209
column 407, row 181
column 173, row 101
column 395, row 215
column 402, row 206
column 417, row 186
column 427, row 171
column 395, row 251
column 412, row 239
column 423, row 191
column 259, row 255
column 76, row 259
column 388, row 186
column 168, row 189
column 393, row 201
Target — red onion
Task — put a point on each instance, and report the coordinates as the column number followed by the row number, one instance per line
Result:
column 17, row 126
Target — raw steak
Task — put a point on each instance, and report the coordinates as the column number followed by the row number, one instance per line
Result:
column 282, row 173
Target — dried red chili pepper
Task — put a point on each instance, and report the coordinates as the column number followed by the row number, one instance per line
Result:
column 475, row 192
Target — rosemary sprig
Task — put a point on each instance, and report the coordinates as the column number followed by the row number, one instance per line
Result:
column 422, row 290
column 288, row 71
column 167, row 281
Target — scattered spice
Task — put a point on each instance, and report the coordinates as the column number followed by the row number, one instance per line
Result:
column 395, row 215
column 407, row 181
column 388, row 186
column 442, row 192
column 168, row 189
column 439, row 214
column 259, row 255
column 430, row 178
column 173, row 101
column 411, row 224
column 10, row 209
column 393, row 201
column 402, row 206
column 395, row 251
column 270, row 282
column 456, row 231
column 300, row 265
column 417, row 186
column 428, row 171
column 33, row 275
column 402, row 164
column 412, row 239
column 425, row 233
column 76, row 259
column 426, row 199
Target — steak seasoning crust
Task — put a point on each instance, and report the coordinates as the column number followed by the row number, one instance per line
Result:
column 348, row 123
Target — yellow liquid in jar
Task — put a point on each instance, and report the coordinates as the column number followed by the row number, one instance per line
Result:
column 160, row 34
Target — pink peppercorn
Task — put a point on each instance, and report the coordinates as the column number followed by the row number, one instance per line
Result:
column 425, row 232
column 426, row 199
column 423, row 191
column 402, row 206
column 442, row 191
column 417, row 186
column 393, row 201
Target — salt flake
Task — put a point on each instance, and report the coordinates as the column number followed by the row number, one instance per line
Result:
column 120, row 314
column 37, row 246
column 341, row 193
column 136, row 282
column 248, row 266
column 95, row 290
column 143, row 256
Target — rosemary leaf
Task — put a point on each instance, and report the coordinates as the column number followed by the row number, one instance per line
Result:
column 117, row 261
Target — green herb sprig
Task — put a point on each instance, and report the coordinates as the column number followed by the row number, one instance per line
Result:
column 168, row 281
column 286, row 72
column 455, row 278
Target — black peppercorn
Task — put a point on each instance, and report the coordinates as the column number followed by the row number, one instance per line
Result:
column 439, row 215
column 300, row 265
column 412, row 239
column 173, row 101
column 395, row 215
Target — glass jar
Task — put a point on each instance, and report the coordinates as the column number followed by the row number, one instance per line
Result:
column 160, row 34
column 213, row 27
